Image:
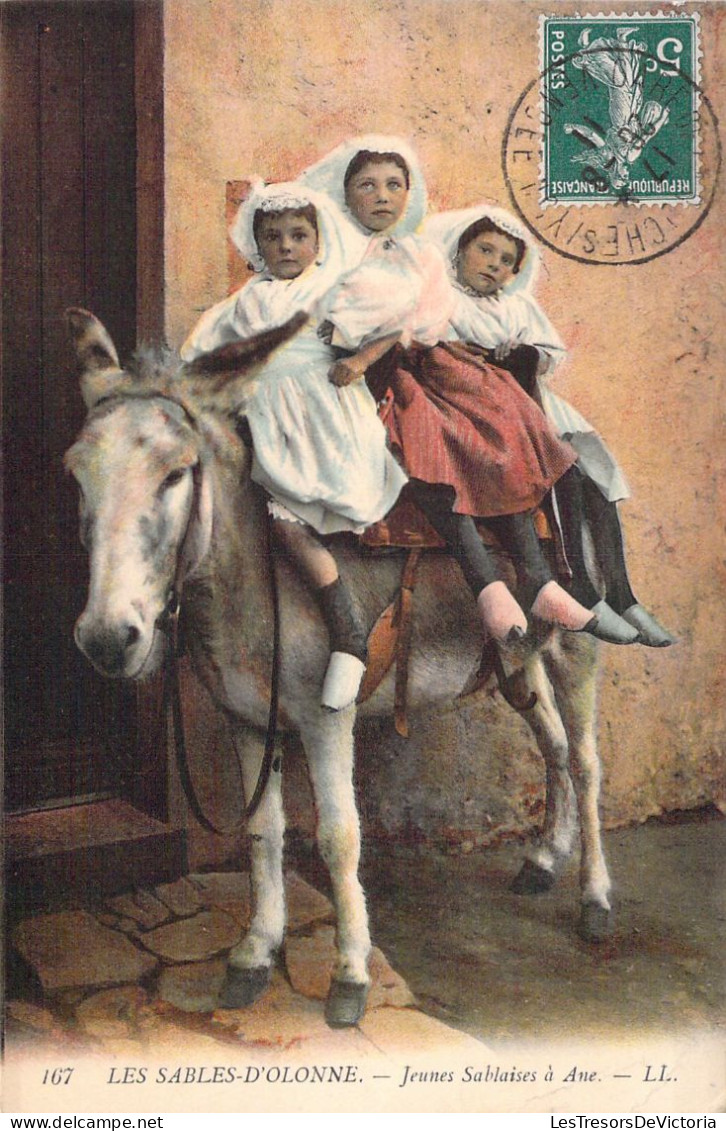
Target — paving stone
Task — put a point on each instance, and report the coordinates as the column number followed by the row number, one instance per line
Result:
column 30, row 1016
column 222, row 887
column 152, row 907
column 305, row 905
column 195, row 939
column 182, row 897
column 193, row 988
column 119, row 923
column 71, row 949
column 111, row 1013
column 124, row 1050
column 286, row 1023
column 281, row 1016
column 65, row 1001
column 165, row 1035
column 108, row 919
column 142, row 907
column 310, row 960
column 230, row 891
column 284, row 1026
column 226, row 891
column 387, row 987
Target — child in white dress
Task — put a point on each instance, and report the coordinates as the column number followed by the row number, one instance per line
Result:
column 472, row 442
column 493, row 265
column 318, row 450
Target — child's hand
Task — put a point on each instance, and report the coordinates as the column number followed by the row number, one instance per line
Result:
column 503, row 348
column 345, row 372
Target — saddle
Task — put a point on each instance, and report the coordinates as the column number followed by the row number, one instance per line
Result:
column 407, row 529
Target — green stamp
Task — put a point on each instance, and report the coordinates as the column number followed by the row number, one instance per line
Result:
column 620, row 109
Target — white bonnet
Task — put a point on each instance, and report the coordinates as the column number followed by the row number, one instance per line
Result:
column 277, row 198
column 328, row 176
column 446, row 229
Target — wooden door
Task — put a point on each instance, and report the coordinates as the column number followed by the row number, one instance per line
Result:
column 69, row 238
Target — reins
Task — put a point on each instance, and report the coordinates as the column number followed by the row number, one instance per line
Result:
column 169, row 623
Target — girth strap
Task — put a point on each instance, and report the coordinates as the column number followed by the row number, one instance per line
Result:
column 403, row 652
column 390, row 642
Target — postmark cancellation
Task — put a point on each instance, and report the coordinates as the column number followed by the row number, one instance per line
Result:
column 612, row 153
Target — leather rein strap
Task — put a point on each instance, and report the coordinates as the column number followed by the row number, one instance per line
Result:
column 173, row 703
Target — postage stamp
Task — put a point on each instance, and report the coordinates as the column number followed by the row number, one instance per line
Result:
column 620, row 99
column 612, row 153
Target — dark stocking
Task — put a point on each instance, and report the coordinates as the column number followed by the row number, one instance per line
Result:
column 570, row 496
column 458, row 531
column 345, row 630
column 518, row 537
column 320, row 570
column 607, row 536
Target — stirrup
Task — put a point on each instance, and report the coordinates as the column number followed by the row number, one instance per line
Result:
column 343, row 678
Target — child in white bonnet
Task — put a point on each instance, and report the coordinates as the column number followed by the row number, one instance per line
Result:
column 318, row 450
column 493, row 264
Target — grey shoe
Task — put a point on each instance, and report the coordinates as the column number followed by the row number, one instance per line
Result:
column 652, row 634
column 607, row 625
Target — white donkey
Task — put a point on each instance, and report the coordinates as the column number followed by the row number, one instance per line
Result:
column 167, row 504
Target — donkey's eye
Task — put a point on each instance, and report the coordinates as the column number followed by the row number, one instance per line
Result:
column 173, row 478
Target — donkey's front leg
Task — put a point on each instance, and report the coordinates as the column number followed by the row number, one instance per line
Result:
column 329, row 744
column 250, row 962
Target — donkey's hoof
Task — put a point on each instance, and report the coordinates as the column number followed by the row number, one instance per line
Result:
column 532, row 879
column 596, row 922
column 242, row 986
column 346, row 1003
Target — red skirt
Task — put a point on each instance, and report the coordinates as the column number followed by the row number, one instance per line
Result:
column 459, row 421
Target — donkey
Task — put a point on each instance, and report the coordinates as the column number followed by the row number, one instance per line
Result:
column 167, row 505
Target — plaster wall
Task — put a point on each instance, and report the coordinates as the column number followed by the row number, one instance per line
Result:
column 264, row 87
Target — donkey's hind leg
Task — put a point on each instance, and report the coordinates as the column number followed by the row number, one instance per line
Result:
column 250, row 962
column 573, row 667
column 555, row 843
column 328, row 742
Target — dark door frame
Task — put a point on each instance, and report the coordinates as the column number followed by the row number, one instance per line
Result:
column 148, row 790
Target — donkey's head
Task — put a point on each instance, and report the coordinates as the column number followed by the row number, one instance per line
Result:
column 142, row 466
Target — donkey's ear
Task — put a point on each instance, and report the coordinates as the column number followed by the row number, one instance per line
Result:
column 96, row 353
column 241, row 358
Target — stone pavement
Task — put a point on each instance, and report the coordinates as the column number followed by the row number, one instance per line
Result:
column 139, row 975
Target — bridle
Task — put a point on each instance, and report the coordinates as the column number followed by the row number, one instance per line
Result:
column 168, row 624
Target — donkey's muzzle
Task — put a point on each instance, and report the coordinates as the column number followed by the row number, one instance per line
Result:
column 113, row 649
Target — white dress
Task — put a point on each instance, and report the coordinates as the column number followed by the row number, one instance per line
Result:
column 319, row 450
column 400, row 287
